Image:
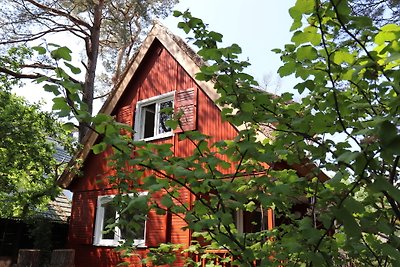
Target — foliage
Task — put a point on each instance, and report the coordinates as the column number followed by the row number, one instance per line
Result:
column 346, row 125
column 28, row 169
column 380, row 11
column 12, row 61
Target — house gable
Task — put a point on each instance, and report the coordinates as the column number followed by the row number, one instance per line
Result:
column 187, row 64
column 159, row 73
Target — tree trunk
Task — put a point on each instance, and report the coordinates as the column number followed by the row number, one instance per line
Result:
column 92, row 50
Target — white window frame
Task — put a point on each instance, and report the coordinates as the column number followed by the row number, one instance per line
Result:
column 239, row 221
column 139, row 116
column 99, row 226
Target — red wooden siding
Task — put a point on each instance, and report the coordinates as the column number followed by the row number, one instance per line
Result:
column 125, row 115
column 161, row 78
column 158, row 74
column 156, row 226
column 82, row 214
column 94, row 173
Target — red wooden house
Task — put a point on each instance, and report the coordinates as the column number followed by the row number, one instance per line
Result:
column 161, row 74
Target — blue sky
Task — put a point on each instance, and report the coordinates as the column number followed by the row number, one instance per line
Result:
column 258, row 26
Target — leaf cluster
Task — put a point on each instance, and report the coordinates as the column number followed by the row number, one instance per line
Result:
column 327, row 166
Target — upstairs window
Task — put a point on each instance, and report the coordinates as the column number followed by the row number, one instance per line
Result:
column 151, row 117
column 106, row 214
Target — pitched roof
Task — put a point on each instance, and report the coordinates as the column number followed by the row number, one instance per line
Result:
column 59, row 209
column 179, row 50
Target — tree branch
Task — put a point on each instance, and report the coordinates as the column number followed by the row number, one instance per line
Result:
column 57, row 12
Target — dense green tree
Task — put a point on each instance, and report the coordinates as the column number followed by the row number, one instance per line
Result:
column 347, row 125
column 28, row 168
column 111, row 29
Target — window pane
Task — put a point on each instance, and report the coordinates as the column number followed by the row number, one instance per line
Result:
column 253, row 222
column 134, row 231
column 162, row 128
column 149, row 118
column 109, row 216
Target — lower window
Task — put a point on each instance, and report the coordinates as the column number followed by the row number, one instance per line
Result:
column 251, row 222
column 106, row 214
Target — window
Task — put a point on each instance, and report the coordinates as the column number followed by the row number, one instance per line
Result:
column 106, row 213
column 151, row 118
column 251, row 222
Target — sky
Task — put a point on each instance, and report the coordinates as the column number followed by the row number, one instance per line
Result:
column 258, row 26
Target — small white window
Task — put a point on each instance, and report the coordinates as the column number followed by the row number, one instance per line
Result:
column 151, row 118
column 106, row 212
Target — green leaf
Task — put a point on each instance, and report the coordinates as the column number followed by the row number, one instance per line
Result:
column 348, row 156
column 306, row 36
column 317, row 259
column 304, row 6
column 98, row 148
column 295, row 25
column 177, row 13
column 351, row 227
column 306, row 52
column 382, row 184
column 101, row 117
column 388, row 33
column 247, row 107
column 167, row 201
column 59, row 103
column 287, row 69
column 387, row 132
column 343, row 56
column 69, row 126
column 173, row 124
column 391, row 252
column 73, row 69
column 41, row 50
column 62, row 53
column 216, row 36
column 184, row 27
column 353, row 205
column 52, row 89
column 308, row 84
column 42, row 79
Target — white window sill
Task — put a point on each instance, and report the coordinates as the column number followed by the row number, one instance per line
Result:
column 157, row 137
column 113, row 244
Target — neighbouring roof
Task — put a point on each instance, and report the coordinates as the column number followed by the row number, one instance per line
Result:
column 59, row 209
column 61, row 155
